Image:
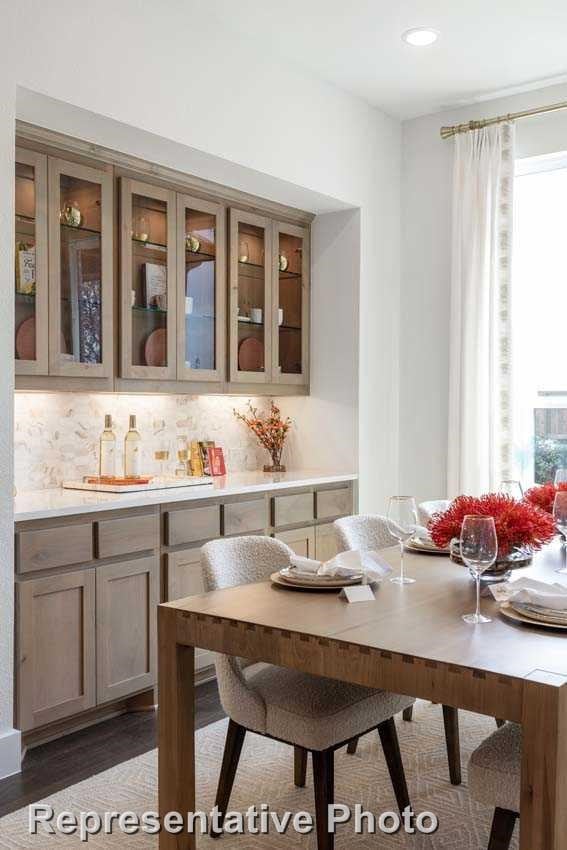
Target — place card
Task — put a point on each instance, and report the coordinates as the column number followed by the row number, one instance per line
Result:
column 357, row 593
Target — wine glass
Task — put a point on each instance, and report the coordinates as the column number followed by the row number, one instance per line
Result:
column 560, row 517
column 161, row 455
column 513, row 488
column 560, row 476
column 402, row 523
column 479, row 548
column 182, row 457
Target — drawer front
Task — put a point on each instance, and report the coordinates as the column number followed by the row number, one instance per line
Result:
column 192, row 524
column 127, row 534
column 333, row 503
column 243, row 517
column 54, row 547
column 293, row 509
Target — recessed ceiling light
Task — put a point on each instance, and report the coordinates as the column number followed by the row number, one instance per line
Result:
column 420, row 36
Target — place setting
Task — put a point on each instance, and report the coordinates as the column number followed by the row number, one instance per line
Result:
column 344, row 570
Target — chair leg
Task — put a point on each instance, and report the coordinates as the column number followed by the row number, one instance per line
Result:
column 324, row 782
column 232, row 749
column 352, row 745
column 407, row 713
column 499, row 722
column 502, row 829
column 391, row 747
column 299, row 766
column 451, row 722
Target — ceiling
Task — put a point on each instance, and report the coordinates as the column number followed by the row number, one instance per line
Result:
column 486, row 46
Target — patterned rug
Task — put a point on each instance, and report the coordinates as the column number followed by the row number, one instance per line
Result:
column 265, row 775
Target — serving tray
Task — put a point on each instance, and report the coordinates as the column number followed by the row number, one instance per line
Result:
column 154, row 484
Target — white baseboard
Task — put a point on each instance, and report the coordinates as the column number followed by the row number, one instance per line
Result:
column 10, row 752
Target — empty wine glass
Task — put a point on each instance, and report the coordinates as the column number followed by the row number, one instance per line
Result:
column 161, row 455
column 560, row 476
column 560, row 517
column 402, row 523
column 479, row 548
column 513, row 488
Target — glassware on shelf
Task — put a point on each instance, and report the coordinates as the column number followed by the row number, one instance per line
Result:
column 183, row 457
column 141, row 230
column 283, row 262
column 71, row 214
column 560, row 518
column 513, row 488
column 243, row 251
column 402, row 524
column 161, row 455
column 479, row 548
column 192, row 243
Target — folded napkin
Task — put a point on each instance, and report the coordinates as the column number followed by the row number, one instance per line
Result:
column 528, row 590
column 345, row 565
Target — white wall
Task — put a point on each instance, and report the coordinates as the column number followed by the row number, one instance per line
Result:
column 426, row 258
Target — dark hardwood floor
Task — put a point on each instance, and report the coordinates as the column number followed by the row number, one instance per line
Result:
column 50, row 767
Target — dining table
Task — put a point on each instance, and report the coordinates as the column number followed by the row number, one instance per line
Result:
column 409, row 639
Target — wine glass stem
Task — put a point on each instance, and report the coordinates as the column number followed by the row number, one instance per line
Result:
column 477, row 577
column 402, row 559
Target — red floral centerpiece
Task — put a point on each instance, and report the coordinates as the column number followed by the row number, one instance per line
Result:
column 519, row 525
column 543, row 495
column 270, row 429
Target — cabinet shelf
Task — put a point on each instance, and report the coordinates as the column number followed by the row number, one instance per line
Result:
column 86, row 231
column 151, row 310
column 199, row 257
column 150, row 246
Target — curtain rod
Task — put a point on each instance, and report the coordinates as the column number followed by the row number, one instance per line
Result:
column 449, row 132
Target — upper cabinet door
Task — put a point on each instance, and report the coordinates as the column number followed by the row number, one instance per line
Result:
column 31, row 297
column 201, row 298
column 250, row 298
column 290, row 316
column 148, row 291
column 80, row 270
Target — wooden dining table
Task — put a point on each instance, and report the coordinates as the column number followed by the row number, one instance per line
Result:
column 410, row 640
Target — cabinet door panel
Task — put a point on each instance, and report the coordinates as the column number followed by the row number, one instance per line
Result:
column 301, row 540
column 80, row 270
column 127, row 596
column 31, row 297
column 325, row 542
column 290, row 305
column 184, row 577
column 56, row 641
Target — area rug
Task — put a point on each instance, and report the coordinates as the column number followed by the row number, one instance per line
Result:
column 265, row 775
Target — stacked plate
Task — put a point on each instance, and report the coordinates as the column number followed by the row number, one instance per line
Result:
column 424, row 545
column 549, row 616
column 295, row 579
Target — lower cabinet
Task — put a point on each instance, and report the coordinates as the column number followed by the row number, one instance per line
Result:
column 325, row 542
column 127, row 596
column 56, row 648
column 301, row 540
column 184, row 577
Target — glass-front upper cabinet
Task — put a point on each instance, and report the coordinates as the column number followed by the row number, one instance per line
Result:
column 290, row 271
column 201, row 290
column 250, row 298
column 80, row 270
column 148, row 299
column 31, row 297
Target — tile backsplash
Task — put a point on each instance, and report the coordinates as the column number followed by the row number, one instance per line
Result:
column 57, row 434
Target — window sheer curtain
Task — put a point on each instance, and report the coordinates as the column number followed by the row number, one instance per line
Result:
column 480, row 444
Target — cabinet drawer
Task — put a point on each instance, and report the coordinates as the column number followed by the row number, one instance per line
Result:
column 332, row 503
column 126, row 534
column 293, row 509
column 192, row 524
column 54, row 547
column 242, row 517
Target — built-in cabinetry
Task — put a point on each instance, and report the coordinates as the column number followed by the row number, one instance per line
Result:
column 129, row 281
column 87, row 588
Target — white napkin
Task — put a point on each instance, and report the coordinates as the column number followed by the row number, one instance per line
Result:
column 553, row 596
column 345, row 565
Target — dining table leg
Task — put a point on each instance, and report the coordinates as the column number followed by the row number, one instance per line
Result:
column 176, row 733
column 543, row 801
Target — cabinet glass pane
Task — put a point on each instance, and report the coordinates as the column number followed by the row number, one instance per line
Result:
column 149, row 281
column 290, row 303
column 81, row 270
column 251, row 290
column 25, row 272
column 200, row 304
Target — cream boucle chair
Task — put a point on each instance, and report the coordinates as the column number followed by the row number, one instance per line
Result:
column 370, row 532
column 494, row 779
column 425, row 510
column 311, row 713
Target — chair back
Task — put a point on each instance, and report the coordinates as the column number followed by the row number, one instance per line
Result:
column 426, row 510
column 242, row 560
column 367, row 532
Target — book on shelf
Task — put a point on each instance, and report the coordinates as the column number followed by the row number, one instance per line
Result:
column 196, row 461
column 154, row 278
column 204, row 445
column 216, row 460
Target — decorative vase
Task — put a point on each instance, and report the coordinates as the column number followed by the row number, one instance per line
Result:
column 275, row 467
column 500, row 571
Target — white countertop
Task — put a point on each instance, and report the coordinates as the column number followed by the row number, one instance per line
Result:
column 46, row 504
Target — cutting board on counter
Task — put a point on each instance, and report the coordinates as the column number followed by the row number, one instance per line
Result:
column 155, row 484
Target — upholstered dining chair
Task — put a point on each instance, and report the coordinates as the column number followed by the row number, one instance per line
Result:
column 370, row 532
column 494, row 779
column 311, row 713
column 425, row 510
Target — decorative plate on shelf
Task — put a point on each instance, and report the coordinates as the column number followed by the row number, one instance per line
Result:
column 155, row 349
column 251, row 355
column 25, row 339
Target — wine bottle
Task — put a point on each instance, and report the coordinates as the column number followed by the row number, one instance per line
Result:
column 132, row 451
column 107, row 456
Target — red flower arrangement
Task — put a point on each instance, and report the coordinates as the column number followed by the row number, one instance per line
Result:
column 270, row 429
column 518, row 524
column 543, row 495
